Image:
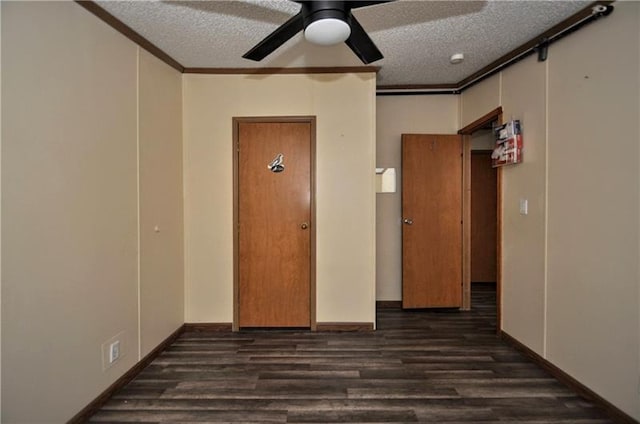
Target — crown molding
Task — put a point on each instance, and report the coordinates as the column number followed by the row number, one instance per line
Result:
column 125, row 30
column 274, row 70
column 567, row 26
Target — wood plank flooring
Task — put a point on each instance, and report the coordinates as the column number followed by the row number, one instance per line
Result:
column 419, row 366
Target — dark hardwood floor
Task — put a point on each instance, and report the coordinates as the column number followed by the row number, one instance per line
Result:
column 419, row 366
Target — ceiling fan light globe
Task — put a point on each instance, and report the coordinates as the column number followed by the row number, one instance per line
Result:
column 327, row 31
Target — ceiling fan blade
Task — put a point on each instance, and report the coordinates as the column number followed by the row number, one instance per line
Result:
column 361, row 44
column 277, row 38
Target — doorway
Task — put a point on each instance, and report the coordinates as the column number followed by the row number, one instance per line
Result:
column 471, row 131
column 483, row 230
column 274, row 231
column 483, row 218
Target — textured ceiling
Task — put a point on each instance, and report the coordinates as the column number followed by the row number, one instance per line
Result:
column 417, row 38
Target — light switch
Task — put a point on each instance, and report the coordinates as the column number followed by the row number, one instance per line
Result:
column 524, row 206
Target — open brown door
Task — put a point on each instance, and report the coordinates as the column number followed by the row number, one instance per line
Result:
column 274, row 222
column 432, row 221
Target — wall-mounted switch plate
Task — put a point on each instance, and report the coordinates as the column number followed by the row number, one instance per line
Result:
column 524, row 207
column 114, row 351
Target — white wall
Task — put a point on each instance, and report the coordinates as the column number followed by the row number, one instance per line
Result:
column 570, row 267
column 397, row 115
column 70, row 206
column 345, row 186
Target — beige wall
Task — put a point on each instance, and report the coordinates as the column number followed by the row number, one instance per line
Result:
column 523, row 241
column 161, row 216
column 70, row 206
column 593, row 231
column 0, row 215
column 480, row 99
column 92, row 163
column 396, row 115
column 483, row 140
column 345, row 186
column 570, row 267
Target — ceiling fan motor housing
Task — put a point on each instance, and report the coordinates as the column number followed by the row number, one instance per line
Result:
column 315, row 10
column 325, row 22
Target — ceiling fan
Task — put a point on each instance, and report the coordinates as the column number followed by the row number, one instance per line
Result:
column 324, row 23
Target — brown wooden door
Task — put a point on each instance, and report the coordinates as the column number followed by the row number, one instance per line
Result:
column 432, row 221
column 483, row 218
column 274, row 224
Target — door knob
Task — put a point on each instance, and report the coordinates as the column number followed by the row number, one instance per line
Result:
column 408, row 221
column 304, row 225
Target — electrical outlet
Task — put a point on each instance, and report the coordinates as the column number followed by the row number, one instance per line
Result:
column 114, row 351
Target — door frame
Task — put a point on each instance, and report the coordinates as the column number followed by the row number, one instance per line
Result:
column 236, row 121
column 494, row 115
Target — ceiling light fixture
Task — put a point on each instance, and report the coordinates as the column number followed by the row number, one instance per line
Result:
column 327, row 31
column 456, row 58
column 324, row 22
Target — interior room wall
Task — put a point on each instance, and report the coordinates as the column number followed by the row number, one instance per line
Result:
column 76, row 164
column 570, row 268
column 483, row 140
column 593, row 185
column 344, row 105
column 70, row 207
column 161, row 208
column 437, row 114
column 523, row 241
column 480, row 99
column 0, row 215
